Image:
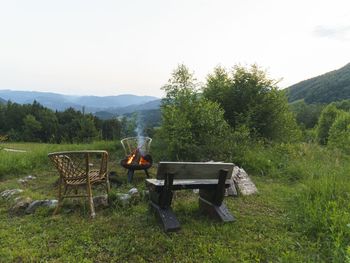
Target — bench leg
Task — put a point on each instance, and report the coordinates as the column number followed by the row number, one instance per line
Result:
column 160, row 203
column 167, row 217
column 218, row 212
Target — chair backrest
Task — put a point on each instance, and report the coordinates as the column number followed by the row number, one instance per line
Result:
column 130, row 144
column 193, row 170
column 77, row 164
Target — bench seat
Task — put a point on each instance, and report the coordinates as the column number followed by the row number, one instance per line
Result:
column 179, row 184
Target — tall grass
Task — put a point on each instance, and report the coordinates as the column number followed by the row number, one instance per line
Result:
column 320, row 207
column 35, row 157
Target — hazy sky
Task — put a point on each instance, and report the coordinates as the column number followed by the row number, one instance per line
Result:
column 117, row 47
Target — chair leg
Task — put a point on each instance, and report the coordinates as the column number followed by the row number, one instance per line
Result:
column 60, row 197
column 91, row 201
column 108, row 186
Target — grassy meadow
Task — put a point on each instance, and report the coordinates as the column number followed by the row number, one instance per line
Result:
column 301, row 213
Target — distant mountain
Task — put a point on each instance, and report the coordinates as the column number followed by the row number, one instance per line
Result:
column 151, row 105
column 2, row 101
column 331, row 86
column 61, row 102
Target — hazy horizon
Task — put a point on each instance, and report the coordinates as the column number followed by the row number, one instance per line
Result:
column 110, row 48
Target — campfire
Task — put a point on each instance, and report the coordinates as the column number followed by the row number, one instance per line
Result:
column 137, row 157
column 137, row 161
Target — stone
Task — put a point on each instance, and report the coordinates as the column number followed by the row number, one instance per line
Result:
column 196, row 191
column 231, row 190
column 40, row 203
column 244, row 184
column 133, row 191
column 26, row 179
column 20, row 205
column 125, row 199
column 101, row 201
column 7, row 194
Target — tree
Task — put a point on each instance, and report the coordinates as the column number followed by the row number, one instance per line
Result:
column 327, row 118
column 339, row 133
column 249, row 98
column 306, row 115
column 193, row 128
column 31, row 128
column 87, row 131
column 111, row 129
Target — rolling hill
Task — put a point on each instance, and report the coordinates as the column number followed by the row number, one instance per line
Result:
column 326, row 88
column 92, row 104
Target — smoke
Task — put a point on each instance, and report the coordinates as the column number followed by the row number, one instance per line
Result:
column 139, row 130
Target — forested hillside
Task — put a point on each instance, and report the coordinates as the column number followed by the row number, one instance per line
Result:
column 36, row 123
column 326, row 88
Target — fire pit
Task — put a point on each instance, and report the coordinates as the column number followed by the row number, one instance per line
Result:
column 137, row 155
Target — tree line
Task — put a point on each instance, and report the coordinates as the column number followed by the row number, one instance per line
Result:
column 36, row 123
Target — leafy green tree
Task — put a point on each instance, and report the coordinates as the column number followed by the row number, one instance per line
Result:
column 87, row 131
column 339, row 133
column 49, row 123
column 111, row 129
column 193, row 128
column 249, row 98
column 31, row 128
column 327, row 118
column 306, row 115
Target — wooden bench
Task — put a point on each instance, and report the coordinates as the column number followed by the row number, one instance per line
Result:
column 210, row 178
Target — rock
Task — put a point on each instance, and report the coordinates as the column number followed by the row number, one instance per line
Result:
column 124, row 199
column 243, row 181
column 26, row 179
column 30, row 177
column 231, row 190
column 133, row 191
column 20, row 205
column 40, row 203
column 7, row 194
column 101, row 201
column 196, row 191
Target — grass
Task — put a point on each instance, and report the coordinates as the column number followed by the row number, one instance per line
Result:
column 300, row 215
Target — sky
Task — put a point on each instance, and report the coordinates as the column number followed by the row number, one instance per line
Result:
column 101, row 48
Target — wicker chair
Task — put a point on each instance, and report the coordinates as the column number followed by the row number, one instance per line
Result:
column 79, row 170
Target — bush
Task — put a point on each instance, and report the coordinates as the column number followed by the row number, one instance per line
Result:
column 339, row 133
column 250, row 98
column 328, row 116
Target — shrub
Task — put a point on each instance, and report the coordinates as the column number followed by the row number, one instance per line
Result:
column 328, row 116
column 339, row 133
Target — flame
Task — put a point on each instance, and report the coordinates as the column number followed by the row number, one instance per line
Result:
column 143, row 161
column 134, row 155
column 131, row 158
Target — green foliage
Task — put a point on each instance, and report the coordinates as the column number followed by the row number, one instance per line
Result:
column 35, row 123
column 328, row 116
column 306, row 115
column 193, row 128
column 329, row 87
column 339, row 133
column 251, row 99
column 87, row 130
column 31, row 128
